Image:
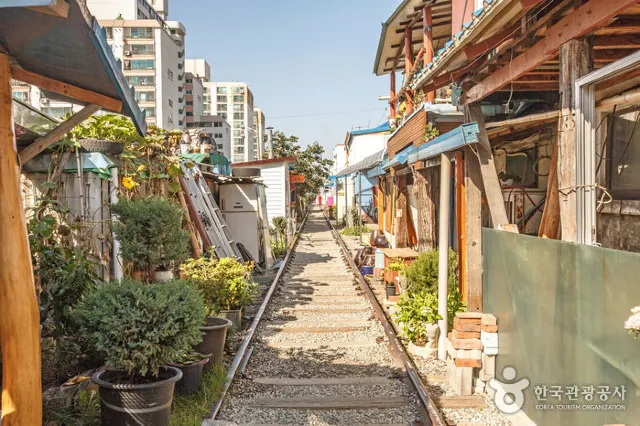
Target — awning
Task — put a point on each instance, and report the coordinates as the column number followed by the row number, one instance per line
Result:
column 365, row 164
column 95, row 162
column 72, row 50
column 466, row 134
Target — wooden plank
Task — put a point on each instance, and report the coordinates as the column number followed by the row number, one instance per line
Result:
column 550, row 222
column 66, row 89
column 19, row 316
column 59, row 9
column 626, row 41
column 42, row 143
column 426, row 211
column 473, row 226
column 324, row 381
column 337, row 403
column 582, row 21
column 492, row 188
column 575, row 62
column 460, row 224
column 459, row 401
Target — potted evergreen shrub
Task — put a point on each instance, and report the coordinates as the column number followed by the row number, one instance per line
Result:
column 140, row 329
column 151, row 236
column 191, row 365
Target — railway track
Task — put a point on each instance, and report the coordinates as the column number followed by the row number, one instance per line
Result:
column 320, row 355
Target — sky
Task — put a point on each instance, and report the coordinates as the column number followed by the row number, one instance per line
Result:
column 309, row 64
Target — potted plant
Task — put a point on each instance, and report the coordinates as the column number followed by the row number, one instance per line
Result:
column 391, row 272
column 140, row 329
column 190, row 364
column 151, row 236
column 418, row 318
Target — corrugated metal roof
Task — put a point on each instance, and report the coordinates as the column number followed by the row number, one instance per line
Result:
column 72, row 50
column 365, row 164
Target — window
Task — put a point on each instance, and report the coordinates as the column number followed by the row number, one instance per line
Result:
column 624, row 157
column 19, row 95
column 238, row 115
column 189, row 103
column 221, row 98
column 139, row 64
column 222, row 107
column 145, row 96
column 189, row 80
column 238, row 133
column 238, row 141
column 171, row 103
column 109, row 33
column 221, row 91
column 238, row 107
column 218, row 136
column 238, row 149
column 217, row 124
column 223, row 115
column 220, row 147
column 189, row 114
column 238, row 98
column 58, row 112
column 238, row 124
column 238, row 90
column 141, row 80
column 140, row 49
column 149, row 112
column 189, row 92
column 141, row 33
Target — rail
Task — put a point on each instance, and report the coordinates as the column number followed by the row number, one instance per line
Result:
column 396, row 347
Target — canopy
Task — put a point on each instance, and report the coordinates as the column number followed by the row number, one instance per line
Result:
column 67, row 55
column 95, row 162
column 365, row 164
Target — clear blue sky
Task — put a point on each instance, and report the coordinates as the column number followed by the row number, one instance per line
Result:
column 299, row 57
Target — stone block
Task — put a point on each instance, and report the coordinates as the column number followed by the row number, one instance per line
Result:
column 488, row 370
column 479, row 386
column 490, row 350
column 469, row 315
column 489, row 339
column 473, row 363
column 461, row 380
column 465, row 343
column 489, row 328
column 488, row 319
column 465, row 334
column 468, row 354
column 463, row 324
column 450, row 350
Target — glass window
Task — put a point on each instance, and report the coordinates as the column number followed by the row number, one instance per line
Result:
column 145, row 96
column 217, row 124
column 139, row 64
column 189, row 92
column 238, row 141
column 238, row 149
column 223, row 115
column 218, row 135
column 238, row 116
column 190, row 103
column 189, row 114
column 220, row 147
column 58, row 112
column 237, row 133
column 238, row 107
column 221, row 91
column 141, row 49
column 141, row 80
column 238, row 124
column 238, row 90
column 149, row 112
column 222, row 107
column 19, row 95
column 238, row 98
column 141, row 32
column 222, row 98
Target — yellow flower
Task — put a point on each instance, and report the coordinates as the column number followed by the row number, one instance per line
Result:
column 129, row 183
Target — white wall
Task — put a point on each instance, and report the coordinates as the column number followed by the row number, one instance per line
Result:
column 275, row 180
column 167, row 83
column 199, row 67
column 339, row 159
column 363, row 146
column 110, row 9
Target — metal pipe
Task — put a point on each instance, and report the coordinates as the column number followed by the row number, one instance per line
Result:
column 270, row 141
column 254, row 325
column 443, row 252
column 113, row 199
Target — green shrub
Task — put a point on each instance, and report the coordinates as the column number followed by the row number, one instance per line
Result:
column 225, row 284
column 150, row 233
column 422, row 275
column 140, row 328
column 356, row 231
column 414, row 312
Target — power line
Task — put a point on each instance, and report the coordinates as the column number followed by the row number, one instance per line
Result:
column 323, row 113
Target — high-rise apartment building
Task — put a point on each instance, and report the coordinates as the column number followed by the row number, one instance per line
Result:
column 152, row 52
column 234, row 102
column 260, row 126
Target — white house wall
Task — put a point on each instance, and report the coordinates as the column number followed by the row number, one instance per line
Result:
column 363, row 146
column 275, row 180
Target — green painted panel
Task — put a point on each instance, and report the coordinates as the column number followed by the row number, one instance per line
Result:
column 561, row 310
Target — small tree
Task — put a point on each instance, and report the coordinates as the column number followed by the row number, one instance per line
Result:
column 150, row 233
column 423, row 273
column 140, row 328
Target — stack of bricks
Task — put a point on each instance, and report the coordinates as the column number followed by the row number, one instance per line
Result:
column 471, row 351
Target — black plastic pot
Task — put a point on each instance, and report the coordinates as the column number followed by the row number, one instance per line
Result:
column 191, row 374
column 136, row 405
column 391, row 290
column 215, row 334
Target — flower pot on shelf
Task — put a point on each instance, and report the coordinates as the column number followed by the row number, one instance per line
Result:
column 422, row 351
column 233, row 315
column 191, row 375
column 124, row 403
column 215, row 335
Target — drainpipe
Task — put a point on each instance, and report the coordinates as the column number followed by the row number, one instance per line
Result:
column 270, row 141
column 443, row 251
column 113, row 199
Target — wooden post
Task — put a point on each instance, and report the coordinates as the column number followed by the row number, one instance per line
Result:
column 380, row 200
column 408, row 65
column 461, row 226
column 428, row 44
column 473, row 232
column 426, row 210
column 402, row 217
column 19, row 317
column 550, row 222
column 393, row 112
column 575, row 60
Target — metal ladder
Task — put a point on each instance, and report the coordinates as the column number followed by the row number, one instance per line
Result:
column 210, row 215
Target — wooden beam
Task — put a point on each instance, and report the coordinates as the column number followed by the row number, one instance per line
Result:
column 611, row 55
column 69, row 90
column 582, row 21
column 402, row 225
column 624, row 41
column 392, row 94
column 19, row 316
column 575, row 62
column 54, row 135
column 461, row 214
column 408, row 65
column 472, row 51
column 473, row 231
column 59, row 9
column 550, row 223
column 427, row 23
column 492, row 188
